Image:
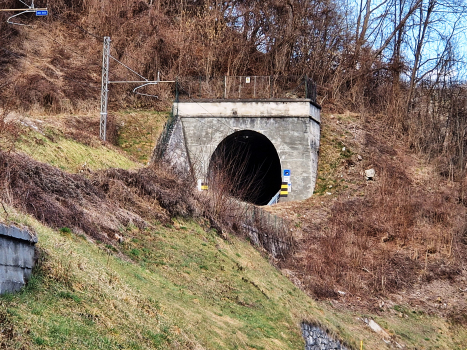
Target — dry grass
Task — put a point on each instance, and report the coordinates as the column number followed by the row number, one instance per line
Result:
column 100, row 203
column 389, row 236
column 365, row 245
column 138, row 131
column 72, row 200
column 69, row 142
column 9, row 131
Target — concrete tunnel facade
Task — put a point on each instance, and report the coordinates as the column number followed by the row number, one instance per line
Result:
column 292, row 127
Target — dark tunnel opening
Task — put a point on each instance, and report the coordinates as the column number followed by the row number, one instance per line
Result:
column 246, row 165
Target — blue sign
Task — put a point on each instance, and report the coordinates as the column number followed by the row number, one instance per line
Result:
column 286, row 172
column 42, row 13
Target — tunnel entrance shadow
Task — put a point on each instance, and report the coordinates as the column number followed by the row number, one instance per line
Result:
column 246, row 165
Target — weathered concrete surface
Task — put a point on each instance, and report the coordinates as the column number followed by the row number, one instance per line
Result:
column 292, row 126
column 250, row 108
column 16, row 257
column 176, row 154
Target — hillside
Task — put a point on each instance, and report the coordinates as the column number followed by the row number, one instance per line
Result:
column 402, row 232
column 173, row 268
column 131, row 257
column 118, row 268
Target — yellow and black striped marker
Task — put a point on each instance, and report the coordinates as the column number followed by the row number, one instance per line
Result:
column 204, row 186
column 284, row 190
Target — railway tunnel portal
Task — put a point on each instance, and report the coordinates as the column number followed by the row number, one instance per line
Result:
column 248, row 146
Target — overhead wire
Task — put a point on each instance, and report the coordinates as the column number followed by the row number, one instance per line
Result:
column 131, row 70
column 141, row 63
column 27, row 4
column 67, row 47
column 60, row 17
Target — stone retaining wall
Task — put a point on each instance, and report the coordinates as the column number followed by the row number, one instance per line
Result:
column 16, row 257
column 317, row 339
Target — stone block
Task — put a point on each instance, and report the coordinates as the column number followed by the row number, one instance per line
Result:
column 318, row 339
column 16, row 257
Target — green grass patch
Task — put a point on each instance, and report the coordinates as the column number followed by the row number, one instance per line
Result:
column 71, row 156
column 139, row 131
column 180, row 294
column 173, row 295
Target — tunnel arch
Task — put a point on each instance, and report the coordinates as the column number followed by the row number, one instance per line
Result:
column 246, row 165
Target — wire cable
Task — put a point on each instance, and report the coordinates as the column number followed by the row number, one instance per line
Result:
column 124, row 65
column 32, row 6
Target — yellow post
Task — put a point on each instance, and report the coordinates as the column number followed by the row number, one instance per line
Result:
column 361, row 344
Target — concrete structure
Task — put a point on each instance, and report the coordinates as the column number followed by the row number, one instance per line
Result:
column 291, row 126
column 16, row 257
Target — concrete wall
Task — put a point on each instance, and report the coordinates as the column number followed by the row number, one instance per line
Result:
column 317, row 339
column 292, row 126
column 16, row 257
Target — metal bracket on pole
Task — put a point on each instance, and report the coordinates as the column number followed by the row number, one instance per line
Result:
column 105, row 87
column 105, row 84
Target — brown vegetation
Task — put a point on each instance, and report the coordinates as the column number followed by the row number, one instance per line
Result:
column 378, row 237
column 95, row 205
column 56, row 63
column 402, row 233
column 9, row 131
column 103, row 204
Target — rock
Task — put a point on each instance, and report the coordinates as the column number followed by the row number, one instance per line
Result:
column 377, row 329
column 359, row 157
column 317, row 338
column 374, row 326
column 370, row 174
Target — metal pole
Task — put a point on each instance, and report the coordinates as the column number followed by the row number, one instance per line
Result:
column 254, row 89
column 225, row 86
column 270, row 89
column 105, row 87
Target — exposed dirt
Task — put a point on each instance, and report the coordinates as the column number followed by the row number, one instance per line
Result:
column 372, row 244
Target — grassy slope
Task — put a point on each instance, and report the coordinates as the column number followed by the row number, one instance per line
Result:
column 47, row 141
column 184, row 288
column 139, row 130
column 166, row 288
column 179, row 287
column 50, row 140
